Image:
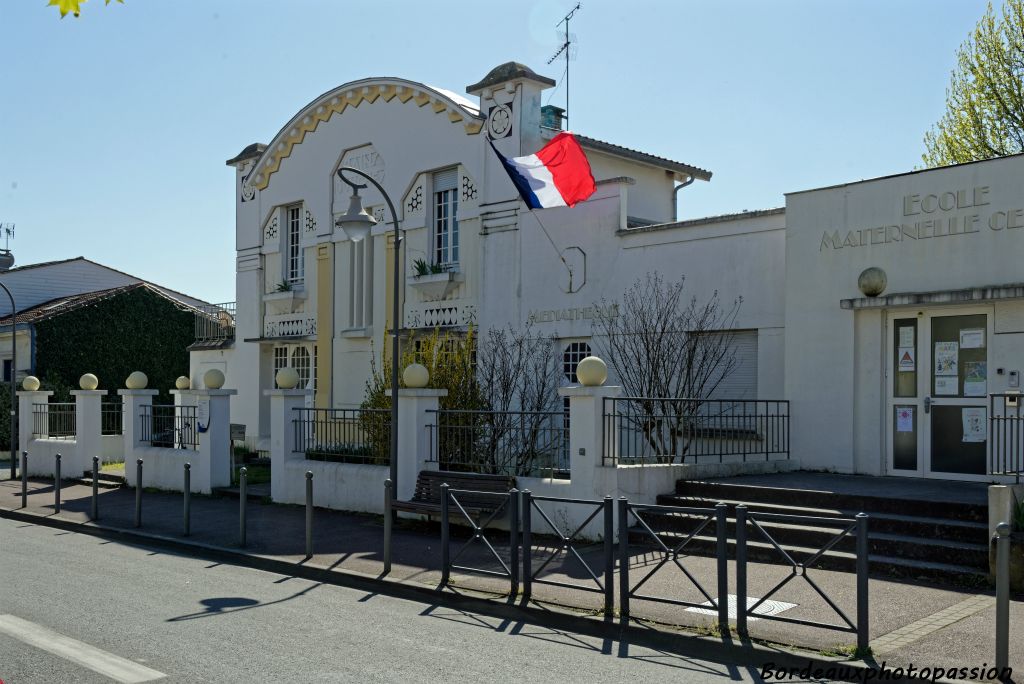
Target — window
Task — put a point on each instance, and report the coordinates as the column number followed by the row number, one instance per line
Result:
column 302, row 366
column 572, row 355
column 280, row 359
column 7, row 370
column 446, row 225
column 360, row 291
column 294, row 258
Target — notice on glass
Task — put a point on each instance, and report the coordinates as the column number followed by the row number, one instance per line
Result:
column 905, row 419
column 975, row 378
column 907, row 336
column 948, row 386
column 946, row 358
column 975, row 429
column 907, row 359
column 972, row 338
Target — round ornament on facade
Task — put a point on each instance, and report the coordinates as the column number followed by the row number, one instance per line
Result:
column 872, row 281
column 136, row 381
column 416, row 376
column 287, row 378
column 30, row 383
column 88, row 382
column 182, row 383
column 213, row 379
column 592, row 371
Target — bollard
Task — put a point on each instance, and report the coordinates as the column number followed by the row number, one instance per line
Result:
column 609, row 557
column 138, row 493
column 526, row 514
column 1002, row 596
column 387, row 526
column 243, row 496
column 444, row 534
column 624, row 560
column 722, row 551
column 187, row 523
column 863, row 635
column 56, row 484
column 309, row 514
column 513, row 541
column 24, row 479
column 95, row 487
column 741, row 570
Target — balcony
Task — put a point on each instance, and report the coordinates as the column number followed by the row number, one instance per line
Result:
column 215, row 325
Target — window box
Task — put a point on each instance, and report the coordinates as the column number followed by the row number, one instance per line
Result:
column 436, row 285
column 287, row 297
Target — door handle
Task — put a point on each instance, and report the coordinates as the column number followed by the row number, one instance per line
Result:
column 927, row 404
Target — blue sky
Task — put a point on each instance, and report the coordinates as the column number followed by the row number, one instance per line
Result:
column 116, row 125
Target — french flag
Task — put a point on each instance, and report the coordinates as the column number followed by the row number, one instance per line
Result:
column 558, row 175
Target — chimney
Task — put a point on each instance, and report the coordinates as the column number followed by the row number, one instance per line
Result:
column 552, row 117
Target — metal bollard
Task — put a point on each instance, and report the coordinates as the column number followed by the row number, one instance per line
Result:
column 24, row 479
column 187, row 513
column 722, row 551
column 138, row 493
column 388, row 496
column 1002, row 596
column 526, row 514
column 513, row 541
column 243, row 496
column 609, row 557
column 624, row 559
column 309, row 514
column 863, row 632
column 741, row 570
column 444, row 535
column 56, row 484
column 95, row 487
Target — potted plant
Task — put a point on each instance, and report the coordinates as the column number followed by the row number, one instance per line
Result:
column 435, row 281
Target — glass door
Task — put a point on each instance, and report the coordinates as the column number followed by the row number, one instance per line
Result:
column 906, row 399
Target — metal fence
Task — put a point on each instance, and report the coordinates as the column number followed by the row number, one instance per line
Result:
column 644, row 430
column 171, row 427
column 523, row 443
column 457, row 501
column 53, row 421
column 215, row 322
column 1006, row 435
column 111, row 418
column 344, row 435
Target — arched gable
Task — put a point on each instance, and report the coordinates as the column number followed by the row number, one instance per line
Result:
column 457, row 110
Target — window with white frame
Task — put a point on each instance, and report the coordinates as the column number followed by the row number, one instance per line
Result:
column 294, row 265
column 301, row 362
column 573, row 353
column 446, row 225
column 280, row 359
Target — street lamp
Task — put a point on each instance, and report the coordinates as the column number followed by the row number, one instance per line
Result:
column 6, row 261
column 357, row 224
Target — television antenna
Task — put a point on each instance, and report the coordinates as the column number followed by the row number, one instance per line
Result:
column 568, row 48
column 7, row 232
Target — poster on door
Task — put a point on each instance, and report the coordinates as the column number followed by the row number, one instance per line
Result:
column 975, row 378
column 905, row 419
column 975, row 428
column 907, row 359
column 946, row 358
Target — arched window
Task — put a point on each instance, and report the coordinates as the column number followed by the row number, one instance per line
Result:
column 302, row 366
column 573, row 353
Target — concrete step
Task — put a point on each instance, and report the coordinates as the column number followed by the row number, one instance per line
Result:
column 103, row 480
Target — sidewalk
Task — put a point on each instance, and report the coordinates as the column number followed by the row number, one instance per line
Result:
column 910, row 623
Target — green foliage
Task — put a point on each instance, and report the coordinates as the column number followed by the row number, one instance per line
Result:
column 283, row 286
column 136, row 330
column 421, row 268
column 984, row 101
column 1018, row 516
column 72, row 6
column 5, row 422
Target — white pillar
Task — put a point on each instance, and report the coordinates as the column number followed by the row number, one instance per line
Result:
column 282, row 435
column 213, row 423
column 25, row 417
column 88, row 440
column 586, row 411
column 414, row 415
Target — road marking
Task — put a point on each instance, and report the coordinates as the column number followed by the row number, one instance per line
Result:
column 919, row 629
column 107, row 664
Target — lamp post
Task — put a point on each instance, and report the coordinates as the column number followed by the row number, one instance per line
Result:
column 357, row 224
column 6, row 261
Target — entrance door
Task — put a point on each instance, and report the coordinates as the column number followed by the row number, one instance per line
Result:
column 938, row 390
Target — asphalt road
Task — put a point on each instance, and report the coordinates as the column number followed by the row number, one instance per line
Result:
column 75, row 608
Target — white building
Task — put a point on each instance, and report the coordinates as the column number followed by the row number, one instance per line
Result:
column 310, row 298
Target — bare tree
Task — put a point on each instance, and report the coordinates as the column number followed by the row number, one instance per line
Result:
column 670, row 353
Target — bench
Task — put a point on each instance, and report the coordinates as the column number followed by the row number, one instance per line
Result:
column 427, row 498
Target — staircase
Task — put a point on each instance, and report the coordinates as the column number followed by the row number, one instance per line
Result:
column 942, row 540
column 104, row 480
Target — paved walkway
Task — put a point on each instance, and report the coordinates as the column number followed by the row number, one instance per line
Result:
column 910, row 623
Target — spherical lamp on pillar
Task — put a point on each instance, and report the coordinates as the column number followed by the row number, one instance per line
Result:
column 182, row 383
column 416, row 376
column 88, row 382
column 136, row 381
column 287, row 378
column 213, row 379
column 592, row 371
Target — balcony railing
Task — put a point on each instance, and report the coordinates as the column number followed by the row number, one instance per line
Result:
column 215, row 322
column 289, row 325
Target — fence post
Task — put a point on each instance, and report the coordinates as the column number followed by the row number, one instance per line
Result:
column 243, row 497
column 56, row 483
column 513, row 540
column 863, row 635
column 624, row 559
column 444, row 534
column 138, row 493
column 741, row 570
column 526, row 514
column 24, row 479
column 388, row 497
column 95, row 487
column 722, row 550
column 309, row 514
column 1002, row 595
column 609, row 557
column 187, row 513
